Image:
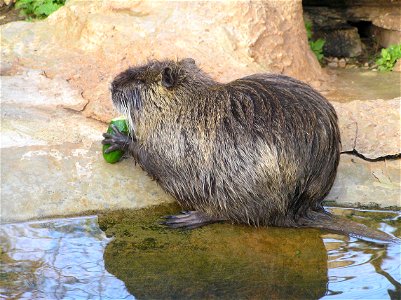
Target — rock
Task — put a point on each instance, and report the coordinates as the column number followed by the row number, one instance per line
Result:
column 51, row 158
column 386, row 37
column 330, row 24
column 332, row 64
column 385, row 15
column 385, row 18
column 361, row 183
column 397, row 66
column 372, row 128
column 324, row 17
column 343, row 42
column 98, row 39
column 333, row 19
column 36, row 89
column 342, row 63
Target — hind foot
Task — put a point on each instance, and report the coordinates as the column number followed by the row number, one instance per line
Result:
column 189, row 220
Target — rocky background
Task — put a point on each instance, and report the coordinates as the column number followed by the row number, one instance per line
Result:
column 54, row 86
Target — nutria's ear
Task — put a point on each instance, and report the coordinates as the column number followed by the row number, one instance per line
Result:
column 168, row 77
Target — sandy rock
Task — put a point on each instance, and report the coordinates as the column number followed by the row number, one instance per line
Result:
column 385, row 15
column 386, row 37
column 342, row 63
column 98, row 39
column 372, row 128
column 34, row 88
column 361, row 183
column 332, row 64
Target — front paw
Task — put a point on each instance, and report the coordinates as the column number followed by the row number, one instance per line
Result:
column 117, row 140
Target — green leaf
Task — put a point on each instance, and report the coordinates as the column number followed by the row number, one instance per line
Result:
column 308, row 26
column 38, row 8
column 388, row 57
column 318, row 44
column 46, row 9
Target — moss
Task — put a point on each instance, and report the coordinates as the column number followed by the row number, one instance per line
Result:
column 217, row 261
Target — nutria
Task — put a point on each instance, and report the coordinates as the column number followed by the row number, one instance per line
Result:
column 261, row 150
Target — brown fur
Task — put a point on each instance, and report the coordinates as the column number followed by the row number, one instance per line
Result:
column 261, row 150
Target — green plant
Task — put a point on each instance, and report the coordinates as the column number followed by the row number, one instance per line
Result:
column 316, row 46
column 38, row 9
column 388, row 57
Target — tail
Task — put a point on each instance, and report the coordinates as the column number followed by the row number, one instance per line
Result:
column 344, row 226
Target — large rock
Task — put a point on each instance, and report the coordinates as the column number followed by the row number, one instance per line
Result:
column 331, row 20
column 385, row 18
column 341, row 39
column 89, row 42
column 372, row 128
column 341, row 42
column 387, row 37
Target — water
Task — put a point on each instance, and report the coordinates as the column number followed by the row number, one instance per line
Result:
column 356, row 84
column 74, row 259
column 56, row 259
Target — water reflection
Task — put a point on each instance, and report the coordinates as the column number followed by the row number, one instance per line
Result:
column 223, row 262
column 56, row 259
column 68, row 258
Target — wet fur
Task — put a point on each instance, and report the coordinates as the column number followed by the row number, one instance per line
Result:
column 261, row 150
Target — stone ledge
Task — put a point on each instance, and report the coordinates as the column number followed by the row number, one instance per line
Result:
column 371, row 128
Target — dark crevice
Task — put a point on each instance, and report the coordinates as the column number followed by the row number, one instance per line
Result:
column 364, row 28
column 382, row 158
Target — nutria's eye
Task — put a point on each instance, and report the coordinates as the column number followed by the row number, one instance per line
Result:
column 168, row 77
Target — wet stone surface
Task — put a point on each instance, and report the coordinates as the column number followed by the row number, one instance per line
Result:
column 73, row 258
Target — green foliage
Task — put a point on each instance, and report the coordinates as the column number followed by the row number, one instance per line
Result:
column 38, row 9
column 316, row 46
column 308, row 26
column 388, row 57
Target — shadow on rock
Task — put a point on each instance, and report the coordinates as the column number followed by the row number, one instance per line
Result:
column 217, row 261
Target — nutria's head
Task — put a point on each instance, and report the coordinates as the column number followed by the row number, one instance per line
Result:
column 156, row 87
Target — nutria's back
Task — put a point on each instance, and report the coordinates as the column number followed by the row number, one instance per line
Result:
column 272, row 139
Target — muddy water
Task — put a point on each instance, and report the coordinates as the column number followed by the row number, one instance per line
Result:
column 74, row 258
column 356, row 84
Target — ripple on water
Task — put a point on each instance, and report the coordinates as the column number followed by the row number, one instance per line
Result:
column 56, row 259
